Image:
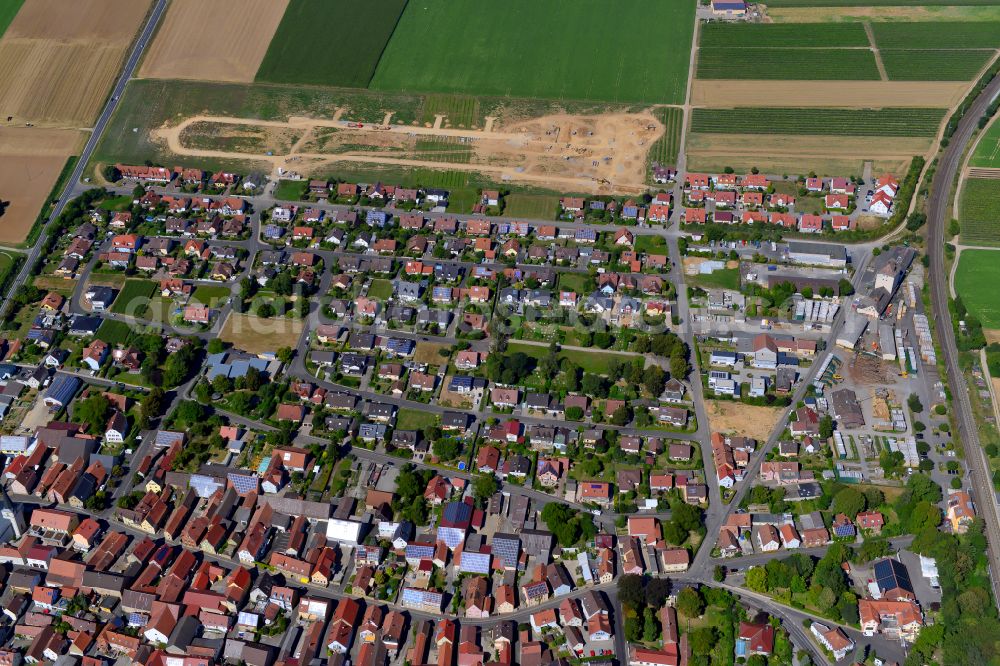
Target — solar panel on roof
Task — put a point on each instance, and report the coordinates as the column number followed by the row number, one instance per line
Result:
column 243, row 483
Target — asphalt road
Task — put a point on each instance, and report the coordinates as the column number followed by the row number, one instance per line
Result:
column 95, row 137
column 938, row 215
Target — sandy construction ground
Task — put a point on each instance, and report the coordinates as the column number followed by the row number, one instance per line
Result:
column 739, row 419
column 779, row 153
column 59, row 58
column 30, row 162
column 213, row 40
column 839, row 94
column 255, row 335
column 591, row 153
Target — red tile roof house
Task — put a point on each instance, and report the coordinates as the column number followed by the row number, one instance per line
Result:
column 837, row 202
column 811, row 224
column 870, row 520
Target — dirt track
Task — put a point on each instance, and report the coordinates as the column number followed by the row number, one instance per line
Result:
column 599, row 153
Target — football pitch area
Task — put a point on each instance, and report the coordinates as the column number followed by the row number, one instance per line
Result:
column 559, row 49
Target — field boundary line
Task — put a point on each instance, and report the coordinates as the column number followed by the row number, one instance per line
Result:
column 686, row 107
column 875, row 51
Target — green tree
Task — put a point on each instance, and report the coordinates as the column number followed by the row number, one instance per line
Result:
column 285, row 355
column 94, row 412
column 484, row 487
column 650, row 625
column 826, row 427
column 216, row 346
column 690, row 603
column 756, row 579
column 630, row 591
column 849, row 502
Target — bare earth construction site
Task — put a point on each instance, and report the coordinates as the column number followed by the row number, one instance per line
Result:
column 594, row 153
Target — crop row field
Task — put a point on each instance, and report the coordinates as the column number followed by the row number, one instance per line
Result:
column 58, row 60
column 910, row 51
column 787, row 63
column 979, row 212
column 523, row 48
column 330, row 42
column 518, row 48
column 879, row 3
column 937, row 35
column 668, row 147
column 901, row 122
column 934, row 65
column 762, row 35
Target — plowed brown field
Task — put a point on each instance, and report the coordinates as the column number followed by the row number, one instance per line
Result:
column 213, row 40
column 30, row 162
column 837, row 94
column 59, row 58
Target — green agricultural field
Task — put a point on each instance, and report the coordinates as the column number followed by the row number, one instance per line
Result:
column 133, row 300
column 666, row 149
column 979, row 212
column 8, row 10
column 834, row 122
column 113, row 332
column 559, row 49
column 976, row 278
column 211, row 295
column 330, row 42
column 988, row 149
column 760, row 35
column 934, row 64
column 937, row 35
column 787, row 64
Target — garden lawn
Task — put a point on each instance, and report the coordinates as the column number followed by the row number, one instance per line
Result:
column 290, row 190
column 415, row 419
column 330, row 42
column 726, row 278
column 596, row 361
column 133, row 300
column 380, row 290
column 558, row 49
column 976, row 278
column 210, row 295
column 113, row 332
